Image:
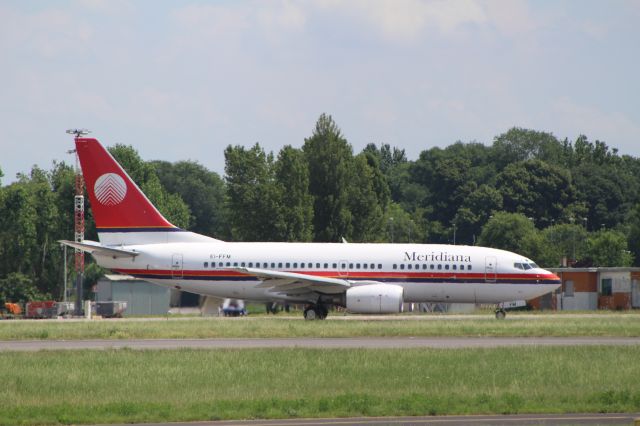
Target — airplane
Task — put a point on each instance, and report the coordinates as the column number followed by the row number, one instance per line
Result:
column 137, row 240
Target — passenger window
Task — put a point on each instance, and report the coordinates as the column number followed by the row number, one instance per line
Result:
column 364, row 266
column 454, row 267
column 395, row 266
column 250, row 264
column 424, row 266
column 462, row 267
column 242, row 264
column 220, row 264
column 318, row 265
column 288, row 265
column 206, row 264
column 235, row 264
column 228, row 263
column 439, row 266
column 357, row 266
column 402, row 266
column 432, row 267
column 446, row 267
column 326, row 266
column 409, row 266
column 279, row 264
column 351, row 266
column 379, row 265
column 468, row 267
column 335, row 265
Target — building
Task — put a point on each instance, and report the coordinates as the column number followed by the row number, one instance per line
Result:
column 142, row 298
column 597, row 288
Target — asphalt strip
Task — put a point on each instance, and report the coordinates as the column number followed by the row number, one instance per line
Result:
column 517, row 419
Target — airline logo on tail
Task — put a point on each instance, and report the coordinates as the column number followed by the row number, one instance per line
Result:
column 110, row 189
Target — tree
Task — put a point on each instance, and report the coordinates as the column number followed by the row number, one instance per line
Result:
column 536, row 189
column 608, row 248
column 402, row 227
column 607, row 192
column 513, row 232
column 19, row 288
column 476, row 209
column 329, row 156
column 387, row 157
column 368, row 199
column 253, row 195
column 18, row 230
column 633, row 240
column 296, row 204
column 566, row 240
column 202, row 190
column 519, row 144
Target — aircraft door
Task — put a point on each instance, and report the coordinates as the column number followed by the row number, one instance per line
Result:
column 490, row 266
column 176, row 265
column 343, row 268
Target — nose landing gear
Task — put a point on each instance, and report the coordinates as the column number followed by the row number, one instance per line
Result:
column 500, row 313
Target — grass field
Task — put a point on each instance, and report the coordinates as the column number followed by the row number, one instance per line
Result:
column 516, row 325
column 137, row 386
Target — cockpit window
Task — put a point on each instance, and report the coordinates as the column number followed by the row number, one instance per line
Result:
column 526, row 266
column 533, row 265
column 518, row 265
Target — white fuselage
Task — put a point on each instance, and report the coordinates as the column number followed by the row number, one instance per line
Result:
column 427, row 273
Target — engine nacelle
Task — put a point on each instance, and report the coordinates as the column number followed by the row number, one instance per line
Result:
column 375, row 299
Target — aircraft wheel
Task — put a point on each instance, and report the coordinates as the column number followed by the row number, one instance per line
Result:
column 500, row 314
column 322, row 311
column 310, row 314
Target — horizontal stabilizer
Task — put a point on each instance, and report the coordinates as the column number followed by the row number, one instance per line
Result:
column 94, row 247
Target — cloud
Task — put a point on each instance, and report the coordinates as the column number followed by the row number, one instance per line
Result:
column 615, row 127
column 109, row 7
column 219, row 22
column 408, row 20
column 512, row 17
column 49, row 33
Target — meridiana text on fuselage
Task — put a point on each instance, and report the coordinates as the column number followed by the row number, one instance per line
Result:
column 440, row 256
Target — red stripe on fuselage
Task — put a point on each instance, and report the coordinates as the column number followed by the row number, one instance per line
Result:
column 335, row 274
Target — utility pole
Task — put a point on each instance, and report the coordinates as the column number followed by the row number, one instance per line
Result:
column 79, row 223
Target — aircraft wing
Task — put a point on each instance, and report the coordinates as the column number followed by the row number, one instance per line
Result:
column 97, row 248
column 295, row 283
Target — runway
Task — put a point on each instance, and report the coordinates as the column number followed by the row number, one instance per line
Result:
column 517, row 419
column 317, row 343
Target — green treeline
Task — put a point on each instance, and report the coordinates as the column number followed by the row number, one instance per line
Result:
column 528, row 192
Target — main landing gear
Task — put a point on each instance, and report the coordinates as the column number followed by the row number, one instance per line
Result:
column 500, row 313
column 315, row 312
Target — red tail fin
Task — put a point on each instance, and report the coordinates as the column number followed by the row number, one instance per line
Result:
column 118, row 205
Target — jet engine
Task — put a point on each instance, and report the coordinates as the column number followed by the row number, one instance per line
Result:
column 375, row 299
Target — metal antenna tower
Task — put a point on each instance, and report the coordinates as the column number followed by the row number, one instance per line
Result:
column 79, row 222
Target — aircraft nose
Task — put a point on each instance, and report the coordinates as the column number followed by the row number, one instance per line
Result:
column 551, row 278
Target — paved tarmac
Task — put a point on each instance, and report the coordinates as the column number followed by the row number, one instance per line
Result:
column 520, row 419
column 321, row 343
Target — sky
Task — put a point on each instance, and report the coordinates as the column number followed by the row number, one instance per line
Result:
column 181, row 80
